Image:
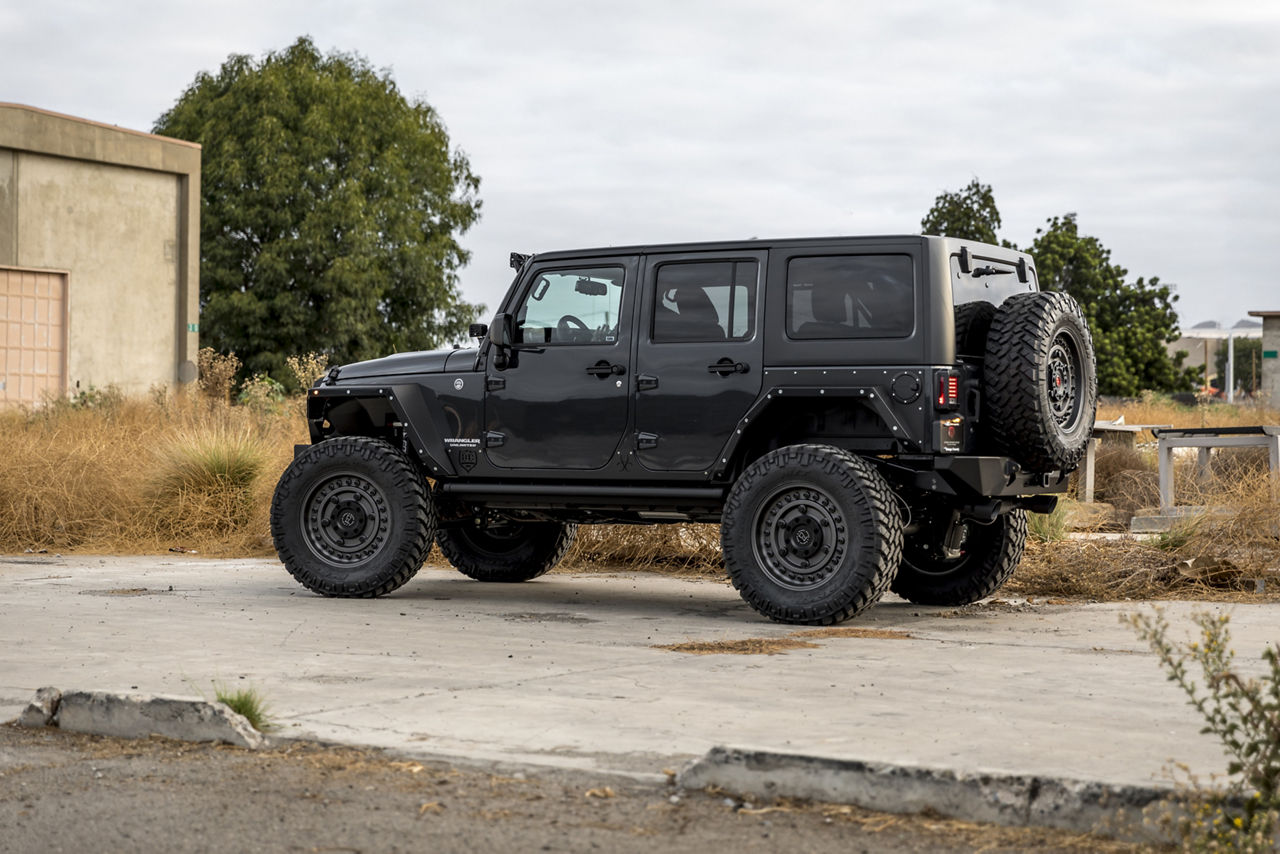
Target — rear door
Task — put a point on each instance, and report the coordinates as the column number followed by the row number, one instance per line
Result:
column 699, row 355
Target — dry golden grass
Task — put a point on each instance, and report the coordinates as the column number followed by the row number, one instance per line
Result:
column 191, row 472
column 689, row 549
column 136, row 476
column 1154, row 409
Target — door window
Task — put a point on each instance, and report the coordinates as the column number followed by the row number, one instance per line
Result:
column 705, row 301
column 577, row 305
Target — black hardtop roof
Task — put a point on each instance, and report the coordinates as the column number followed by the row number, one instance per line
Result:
column 729, row 245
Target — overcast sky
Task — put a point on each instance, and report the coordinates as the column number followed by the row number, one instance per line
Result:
column 596, row 123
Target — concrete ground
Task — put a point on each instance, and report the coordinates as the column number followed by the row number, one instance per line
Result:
column 564, row 671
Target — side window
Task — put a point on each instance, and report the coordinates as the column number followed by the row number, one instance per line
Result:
column 577, row 305
column 705, row 301
column 850, row 296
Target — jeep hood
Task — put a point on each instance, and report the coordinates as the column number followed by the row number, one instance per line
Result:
column 401, row 364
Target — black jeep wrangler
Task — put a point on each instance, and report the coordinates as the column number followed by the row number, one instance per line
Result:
column 858, row 414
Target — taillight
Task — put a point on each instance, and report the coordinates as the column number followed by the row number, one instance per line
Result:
column 948, row 390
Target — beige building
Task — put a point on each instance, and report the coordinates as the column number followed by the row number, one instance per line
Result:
column 99, row 256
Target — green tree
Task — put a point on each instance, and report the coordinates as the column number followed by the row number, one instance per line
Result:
column 331, row 207
column 1248, row 364
column 1131, row 322
column 970, row 214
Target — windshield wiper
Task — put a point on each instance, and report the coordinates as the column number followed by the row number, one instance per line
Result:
column 989, row 271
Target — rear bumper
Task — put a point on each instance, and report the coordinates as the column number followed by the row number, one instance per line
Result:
column 972, row 476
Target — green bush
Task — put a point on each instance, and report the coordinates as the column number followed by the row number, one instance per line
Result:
column 1245, row 716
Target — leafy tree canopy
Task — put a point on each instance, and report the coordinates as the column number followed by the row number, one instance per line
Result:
column 969, row 214
column 331, row 207
column 1131, row 321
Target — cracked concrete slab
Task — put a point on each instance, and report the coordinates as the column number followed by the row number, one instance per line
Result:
column 565, row 671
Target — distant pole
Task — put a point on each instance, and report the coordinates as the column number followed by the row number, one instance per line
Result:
column 1208, row 386
column 1231, row 366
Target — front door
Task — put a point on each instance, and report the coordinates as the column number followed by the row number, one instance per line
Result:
column 562, row 402
column 700, row 351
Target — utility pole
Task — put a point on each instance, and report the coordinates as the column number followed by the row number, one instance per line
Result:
column 1231, row 366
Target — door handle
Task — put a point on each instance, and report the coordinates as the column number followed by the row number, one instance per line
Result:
column 727, row 366
column 602, row 369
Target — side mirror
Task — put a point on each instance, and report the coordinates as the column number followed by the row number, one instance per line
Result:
column 502, row 340
column 503, row 329
column 478, row 330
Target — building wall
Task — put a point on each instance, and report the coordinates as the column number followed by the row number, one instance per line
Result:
column 1271, row 358
column 116, row 230
column 116, row 213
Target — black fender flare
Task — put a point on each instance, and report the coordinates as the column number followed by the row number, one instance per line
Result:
column 413, row 410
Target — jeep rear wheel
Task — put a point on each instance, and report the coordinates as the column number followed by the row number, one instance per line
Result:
column 1041, row 387
column 811, row 535
column 989, row 553
column 351, row 517
column 503, row 550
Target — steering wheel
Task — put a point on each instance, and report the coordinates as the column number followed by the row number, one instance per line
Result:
column 569, row 326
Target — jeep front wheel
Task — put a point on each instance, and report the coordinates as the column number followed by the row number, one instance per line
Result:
column 989, row 553
column 351, row 517
column 503, row 550
column 811, row 535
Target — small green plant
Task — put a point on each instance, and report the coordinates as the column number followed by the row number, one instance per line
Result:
column 1180, row 535
column 205, row 480
column 109, row 398
column 1245, row 716
column 1049, row 527
column 261, row 393
column 211, row 460
column 248, row 703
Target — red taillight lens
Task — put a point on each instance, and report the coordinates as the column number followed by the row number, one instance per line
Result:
column 948, row 390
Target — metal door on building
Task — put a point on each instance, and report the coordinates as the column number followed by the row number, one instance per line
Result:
column 33, row 335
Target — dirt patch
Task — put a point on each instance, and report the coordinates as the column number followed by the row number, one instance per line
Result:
column 853, row 632
column 548, row 617
column 122, row 591
column 745, row 646
column 59, row 790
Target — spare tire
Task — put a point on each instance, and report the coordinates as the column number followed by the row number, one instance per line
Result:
column 1040, row 385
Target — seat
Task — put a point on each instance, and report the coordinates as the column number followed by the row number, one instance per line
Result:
column 697, row 320
column 830, row 311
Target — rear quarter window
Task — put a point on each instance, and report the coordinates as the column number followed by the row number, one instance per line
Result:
column 850, row 296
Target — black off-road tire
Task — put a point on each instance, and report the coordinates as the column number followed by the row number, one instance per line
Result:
column 811, row 534
column 989, row 555
column 973, row 324
column 1040, row 381
column 507, row 551
column 352, row 517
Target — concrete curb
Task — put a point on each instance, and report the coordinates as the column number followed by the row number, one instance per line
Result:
column 1014, row 800
column 139, row 716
